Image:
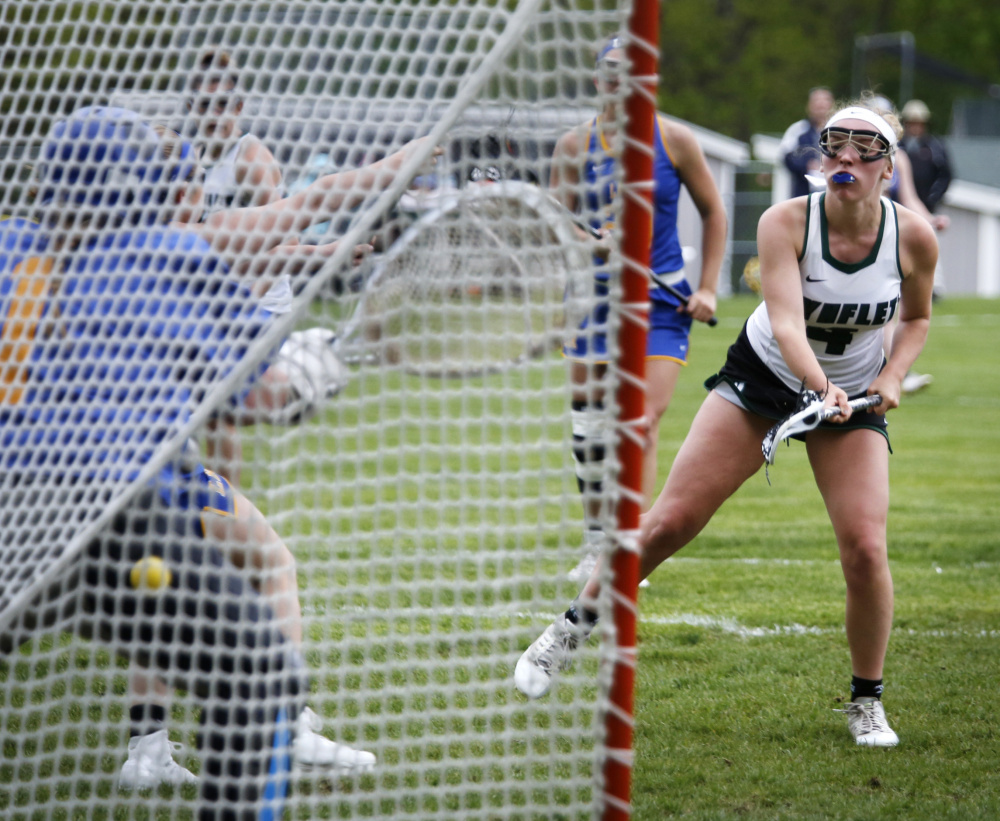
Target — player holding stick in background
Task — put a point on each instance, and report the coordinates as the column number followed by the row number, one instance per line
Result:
column 240, row 169
column 300, row 374
column 836, row 266
column 583, row 173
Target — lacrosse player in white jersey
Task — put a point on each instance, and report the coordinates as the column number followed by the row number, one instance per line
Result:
column 836, row 267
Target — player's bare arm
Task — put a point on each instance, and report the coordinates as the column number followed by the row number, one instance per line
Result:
column 918, row 253
column 257, row 168
column 565, row 175
column 258, row 229
column 697, row 178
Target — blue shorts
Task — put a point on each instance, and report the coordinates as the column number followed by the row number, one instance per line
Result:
column 195, row 490
column 668, row 338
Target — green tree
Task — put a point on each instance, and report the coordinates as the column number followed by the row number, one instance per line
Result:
column 743, row 66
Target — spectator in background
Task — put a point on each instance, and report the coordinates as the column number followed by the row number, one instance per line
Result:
column 799, row 149
column 927, row 153
column 902, row 189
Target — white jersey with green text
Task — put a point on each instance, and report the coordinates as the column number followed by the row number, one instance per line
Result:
column 846, row 305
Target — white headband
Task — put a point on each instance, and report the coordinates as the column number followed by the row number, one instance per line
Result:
column 870, row 117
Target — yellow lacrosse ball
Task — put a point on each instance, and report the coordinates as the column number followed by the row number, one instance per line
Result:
column 751, row 274
column 150, row 574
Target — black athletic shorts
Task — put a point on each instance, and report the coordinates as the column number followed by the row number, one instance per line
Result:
column 760, row 391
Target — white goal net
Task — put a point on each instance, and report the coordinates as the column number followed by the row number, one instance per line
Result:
column 287, row 477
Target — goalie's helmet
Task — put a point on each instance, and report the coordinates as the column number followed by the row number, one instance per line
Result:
column 110, row 158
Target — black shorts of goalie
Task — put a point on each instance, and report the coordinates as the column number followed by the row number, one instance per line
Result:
column 746, row 379
column 174, row 604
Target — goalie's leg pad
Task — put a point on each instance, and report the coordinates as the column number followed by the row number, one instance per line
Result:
column 590, row 442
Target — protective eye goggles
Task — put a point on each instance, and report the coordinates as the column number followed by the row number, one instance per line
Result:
column 609, row 70
column 870, row 145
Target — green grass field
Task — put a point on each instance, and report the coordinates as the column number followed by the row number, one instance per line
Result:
column 431, row 553
column 742, row 652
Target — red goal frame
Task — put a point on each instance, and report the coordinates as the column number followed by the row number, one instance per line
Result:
column 637, row 225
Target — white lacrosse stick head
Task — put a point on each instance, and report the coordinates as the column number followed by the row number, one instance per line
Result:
column 805, row 419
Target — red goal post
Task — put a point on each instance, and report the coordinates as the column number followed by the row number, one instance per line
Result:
column 637, row 225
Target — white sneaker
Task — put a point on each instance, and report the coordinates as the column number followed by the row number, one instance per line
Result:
column 868, row 724
column 551, row 653
column 311, row 750
column 914, row 382
column 151, row 763
column 585, row 567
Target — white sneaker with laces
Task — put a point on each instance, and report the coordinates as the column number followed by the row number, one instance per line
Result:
column 867, row 723
column 914, row 382
column 549, row 654
column 584, row 568
column 311, row 750
column 150, row 763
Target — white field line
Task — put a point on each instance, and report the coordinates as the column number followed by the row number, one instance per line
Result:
column 730, row 625
column 933, row 567
column 724, row 624
column 955, row 320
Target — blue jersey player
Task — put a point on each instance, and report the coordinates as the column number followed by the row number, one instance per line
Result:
column 584, row 175
column 114, row 326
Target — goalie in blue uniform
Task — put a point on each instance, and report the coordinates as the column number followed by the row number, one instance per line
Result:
column 114, row 328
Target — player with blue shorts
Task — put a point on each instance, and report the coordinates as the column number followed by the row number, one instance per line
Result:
column 586, row 160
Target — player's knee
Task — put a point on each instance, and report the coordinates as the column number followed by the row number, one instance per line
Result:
column 655, row 411
column 667, row 529
column 863, row 556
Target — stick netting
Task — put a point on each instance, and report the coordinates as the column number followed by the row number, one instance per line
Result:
column 401, row 422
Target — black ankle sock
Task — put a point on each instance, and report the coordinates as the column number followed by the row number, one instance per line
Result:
column 866, row 688
column 145, row 719
column 573, row 615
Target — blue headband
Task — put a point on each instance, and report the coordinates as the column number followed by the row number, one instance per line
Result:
column 612, row 44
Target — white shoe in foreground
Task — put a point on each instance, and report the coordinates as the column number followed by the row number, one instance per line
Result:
column 868, row 724
column 551, row 653
column 311, row 750
column 151, row 763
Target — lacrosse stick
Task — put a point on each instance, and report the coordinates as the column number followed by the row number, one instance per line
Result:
column 808, row 419
column 712, row 321
column 657, row 279
column 474, row 286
